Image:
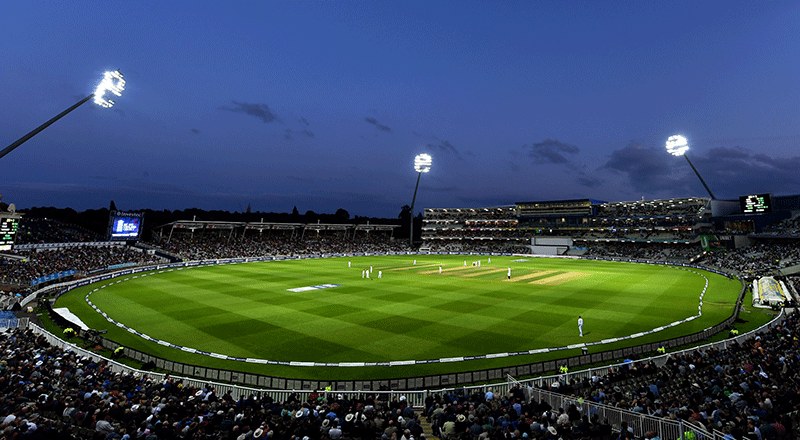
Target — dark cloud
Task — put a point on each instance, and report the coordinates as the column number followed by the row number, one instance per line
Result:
column 733, row 172
column 379, row 126
column 444, row 146
column 260, row 111
column 308, row 133
column 551, row 151
column 287, row 134
column 303, row 121
column 647, row 169
column 589, row 181
column 195, row 131
column 729, row 171
column 440, row 145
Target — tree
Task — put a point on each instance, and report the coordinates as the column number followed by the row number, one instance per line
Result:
column 404, row 212
column 113, row 206
column 405, row 220
column 342, row 215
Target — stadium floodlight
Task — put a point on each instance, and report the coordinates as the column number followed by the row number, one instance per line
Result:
column 112, row 82
column 677, row 145
column 422, row 164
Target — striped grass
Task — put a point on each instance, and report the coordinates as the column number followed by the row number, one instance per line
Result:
column 412, row 312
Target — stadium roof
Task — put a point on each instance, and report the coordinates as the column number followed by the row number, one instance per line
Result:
column 592, row 201
column 199, row 224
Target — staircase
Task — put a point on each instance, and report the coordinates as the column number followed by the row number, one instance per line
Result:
column 426, row 428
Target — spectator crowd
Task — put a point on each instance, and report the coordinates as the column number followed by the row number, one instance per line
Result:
column 750, row 390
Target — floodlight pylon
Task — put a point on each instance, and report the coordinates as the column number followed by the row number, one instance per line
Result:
column 112, row 82
column 422, row 164
column 677, row 145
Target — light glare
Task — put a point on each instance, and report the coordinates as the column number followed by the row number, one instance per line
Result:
column 422, row 163
column 112, row 82
column 677, row 145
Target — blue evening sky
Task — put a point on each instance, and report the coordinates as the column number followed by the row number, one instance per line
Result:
column 324, row 104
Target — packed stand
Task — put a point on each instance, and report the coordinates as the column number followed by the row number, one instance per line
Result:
column 638, row 251
column 39, row 230
column 749, row 390
column 82, row 259
column 213, row 246
column 50, row 393
column 758, row 260
column 788, row 227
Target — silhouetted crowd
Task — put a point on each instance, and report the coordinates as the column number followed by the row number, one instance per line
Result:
column 39, row 230
column 38, row 263
column 49, row 393
column 213, row 246
column 749, row 390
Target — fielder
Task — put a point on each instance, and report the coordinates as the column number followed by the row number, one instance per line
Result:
column 580, row 325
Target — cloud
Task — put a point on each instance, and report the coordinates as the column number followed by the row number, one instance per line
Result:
column 303, row 121
column 730, row 172
column 260, row 111
column 647, row 169
column 287, row 134
column 589, row 181
column 195, row 131
column 440, row 145
column 444, row 146
column 733, row 172
column 378, row 125
column 308, row 133
column 551, row 151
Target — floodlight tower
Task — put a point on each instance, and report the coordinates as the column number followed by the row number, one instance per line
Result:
column 677, row 146
column 422, row 164
column 112, row 82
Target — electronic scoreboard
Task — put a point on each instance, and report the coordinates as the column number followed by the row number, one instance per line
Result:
column 8, row 230
column 756, row 203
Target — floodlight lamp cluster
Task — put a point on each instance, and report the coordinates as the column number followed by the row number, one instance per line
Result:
column 112, row 82
column 677, row 145
column 422, row 163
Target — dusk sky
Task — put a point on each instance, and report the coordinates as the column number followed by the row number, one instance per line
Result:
column 323, row 105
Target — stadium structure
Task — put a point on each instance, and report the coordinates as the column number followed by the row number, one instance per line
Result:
column 722, row 235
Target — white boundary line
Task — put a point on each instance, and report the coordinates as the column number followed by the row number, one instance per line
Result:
column 394, row 363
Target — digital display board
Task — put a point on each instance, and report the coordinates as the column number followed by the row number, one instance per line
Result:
column 757, row 203
column 8, row 230
column 125, row 225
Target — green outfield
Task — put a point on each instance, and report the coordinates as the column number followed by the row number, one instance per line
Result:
column 413, row 312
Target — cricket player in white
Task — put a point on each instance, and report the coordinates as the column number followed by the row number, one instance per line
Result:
column 509, row 273
column 440, row 270
column 580, row 325
column 380, row 274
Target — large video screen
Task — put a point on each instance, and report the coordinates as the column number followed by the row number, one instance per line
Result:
column 125, row 225
column 8, row 230
column 756, row 203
